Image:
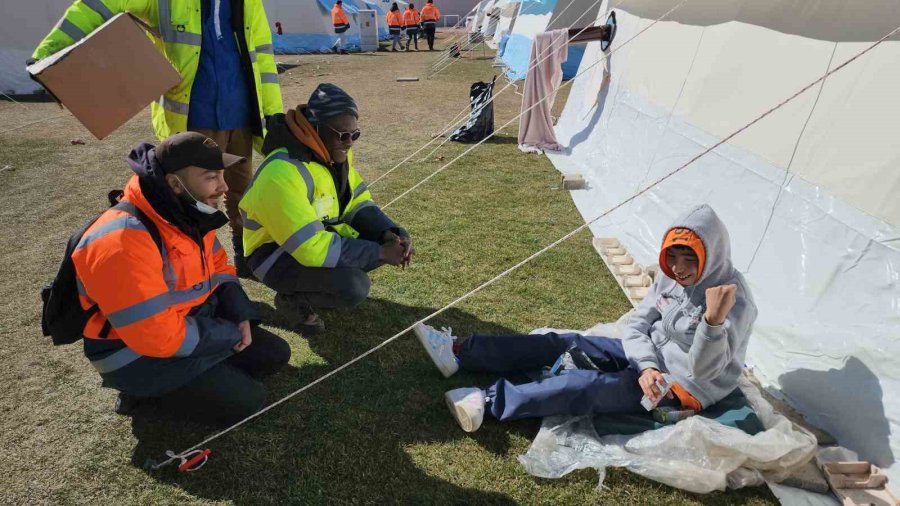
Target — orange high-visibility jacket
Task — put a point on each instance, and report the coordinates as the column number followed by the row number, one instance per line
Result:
column 411, row 17
column 430, row 13
column 394, row 19
column 145, row 295
column 338, row 18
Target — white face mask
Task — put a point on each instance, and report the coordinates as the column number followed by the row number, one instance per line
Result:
column 200, row 206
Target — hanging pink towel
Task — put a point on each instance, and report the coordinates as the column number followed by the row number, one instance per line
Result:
column 543, row 80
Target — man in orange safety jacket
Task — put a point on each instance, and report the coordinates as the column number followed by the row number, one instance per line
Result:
column 430, row 17
column 173, row 323
column 394, row 20
column 341, row 25
column 411, row 21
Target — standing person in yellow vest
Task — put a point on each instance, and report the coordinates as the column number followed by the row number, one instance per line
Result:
column 341, row 25
column 223, row 51
column 430, row 16
column 313, row 231
column 394, row 22
column 411, row 24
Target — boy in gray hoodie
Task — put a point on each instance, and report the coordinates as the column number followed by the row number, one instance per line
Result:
column 693, row 325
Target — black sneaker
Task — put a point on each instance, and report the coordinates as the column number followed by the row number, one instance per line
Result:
column 126, row 404
column 240, row 263
column 243, row 270
column 309, row 323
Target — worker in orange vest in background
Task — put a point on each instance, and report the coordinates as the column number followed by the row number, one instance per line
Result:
column 341, row 25
column 411, row 23
column 430, row 16
column 394, row 22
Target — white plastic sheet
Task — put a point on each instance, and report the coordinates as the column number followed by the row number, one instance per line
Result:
column 697, row 454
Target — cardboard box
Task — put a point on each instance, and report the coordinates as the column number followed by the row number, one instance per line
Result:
column 109, row 76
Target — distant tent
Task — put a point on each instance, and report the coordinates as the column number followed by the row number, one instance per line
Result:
column 491, row 17
column 536, row 16
column 506, row 16
column 306, row 24
column 809, row 194
column 23, row 26
column 478, row 17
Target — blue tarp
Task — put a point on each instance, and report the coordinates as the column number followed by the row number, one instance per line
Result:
column 517, row 53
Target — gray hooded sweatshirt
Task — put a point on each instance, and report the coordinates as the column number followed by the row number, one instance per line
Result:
column 668, row 331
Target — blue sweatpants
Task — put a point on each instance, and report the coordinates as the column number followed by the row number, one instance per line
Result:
column 612, row 389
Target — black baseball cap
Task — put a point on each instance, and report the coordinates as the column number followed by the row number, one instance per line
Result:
column 191, row 148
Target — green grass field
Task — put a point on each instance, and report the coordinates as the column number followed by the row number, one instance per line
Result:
column 378, row 433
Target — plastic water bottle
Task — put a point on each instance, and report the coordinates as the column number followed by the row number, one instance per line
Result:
column 664, row 386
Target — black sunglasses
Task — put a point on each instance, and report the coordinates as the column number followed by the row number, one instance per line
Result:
column 346, row 136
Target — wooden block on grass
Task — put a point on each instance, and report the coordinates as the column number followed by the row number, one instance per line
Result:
column 638, row 293
column 636, row 281
column 629, row 270
column 573, row 182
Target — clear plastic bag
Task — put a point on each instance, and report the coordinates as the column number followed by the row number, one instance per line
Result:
column 696, row 454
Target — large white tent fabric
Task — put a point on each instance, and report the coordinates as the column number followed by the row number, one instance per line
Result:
column 822, row 254
column 536, row 16
column 22, row 27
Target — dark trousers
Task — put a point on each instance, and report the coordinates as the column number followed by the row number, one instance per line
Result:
column 230, row 390
column 429, row 34
column 412, row 37
column 612, row 389
column 319, row 286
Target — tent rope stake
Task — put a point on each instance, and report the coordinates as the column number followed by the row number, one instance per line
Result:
column 172, row 457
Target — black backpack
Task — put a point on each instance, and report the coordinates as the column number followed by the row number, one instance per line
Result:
column 63, row 318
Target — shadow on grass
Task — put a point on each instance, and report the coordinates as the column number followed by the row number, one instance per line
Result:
column 354, row 428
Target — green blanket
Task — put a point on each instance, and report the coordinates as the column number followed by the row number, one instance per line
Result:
column 733, row 411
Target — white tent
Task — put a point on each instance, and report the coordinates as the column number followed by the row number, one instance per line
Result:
column 491, row 17
column 478, row 16
column 809, row 193
column 508, row 11
column 537, row 16
column 23, row 26
column 307, row 28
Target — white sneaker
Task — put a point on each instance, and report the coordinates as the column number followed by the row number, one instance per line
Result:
column 439, row 345
column 467, row 406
